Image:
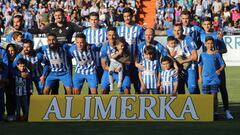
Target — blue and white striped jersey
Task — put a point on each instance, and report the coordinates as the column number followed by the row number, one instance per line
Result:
column 192, row 31
column 161, row 50
column 85, row 59
column 86, row 24
column 57, row 60
column 150, row 73
column 96, row 37
column 167, row 81
column 133, row 36
column 187, row 45
column 22, row 86
column 34, row 63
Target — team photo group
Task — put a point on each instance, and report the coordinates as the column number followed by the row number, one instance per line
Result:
column 111, row 58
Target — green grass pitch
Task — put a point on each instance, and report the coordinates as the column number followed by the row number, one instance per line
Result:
column 220, row 127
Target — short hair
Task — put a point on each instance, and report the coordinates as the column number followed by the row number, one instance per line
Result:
column 209, row 38
column 207, row 19
column 80, row 35
column 59, row 10
column 166, row 58
column 11, row 45
column 128, row 10
column 112, row 29
column 170, row 38
column 21, row 61
column 27, row 41
column 94, row 14
column 51, row 34
column 150, row 50
column 178, row 25
column 16, row 34
column 185, row 12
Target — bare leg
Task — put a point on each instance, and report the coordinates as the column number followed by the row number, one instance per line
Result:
column 46, row 90
column 68, row 90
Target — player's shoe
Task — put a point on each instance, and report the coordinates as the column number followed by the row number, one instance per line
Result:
column 216, row 116
column 11, row 118
column 228, row 115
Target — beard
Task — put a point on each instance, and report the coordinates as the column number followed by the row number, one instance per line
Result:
column 52, row 47
column 28, row 52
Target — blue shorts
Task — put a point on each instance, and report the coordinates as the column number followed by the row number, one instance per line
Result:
column 54, row 77
column 210, row 89
column 126, row 83
column 79, row 80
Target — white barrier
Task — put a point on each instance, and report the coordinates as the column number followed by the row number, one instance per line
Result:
column 232, row 57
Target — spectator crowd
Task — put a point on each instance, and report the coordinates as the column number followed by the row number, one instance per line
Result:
column 38, row 13
column 225, row 13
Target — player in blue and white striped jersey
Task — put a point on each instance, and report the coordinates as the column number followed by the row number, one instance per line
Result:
column 161, row 51
column 83, row 53
column 106, row 50
column 34, row 62
column 57, row 60
column 169, row 81
column 23, row 87
column 149, row 40
column 96, row 35
column 150, row 75
column 191, row 30
column 18, row 24
column 187, row 45
column 133, row 35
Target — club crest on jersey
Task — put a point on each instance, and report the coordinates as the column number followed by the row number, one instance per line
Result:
column 67, row 28
column 60, row 31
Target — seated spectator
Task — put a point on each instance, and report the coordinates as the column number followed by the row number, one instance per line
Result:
column 235, row 15
column 229, row 29
column 84, row 11
column 113, row 3
column 216, row 23
column 94, row 8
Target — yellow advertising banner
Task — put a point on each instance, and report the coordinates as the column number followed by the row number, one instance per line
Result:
column 44, row 108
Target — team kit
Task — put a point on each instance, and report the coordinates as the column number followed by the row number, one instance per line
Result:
column 126, row 54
